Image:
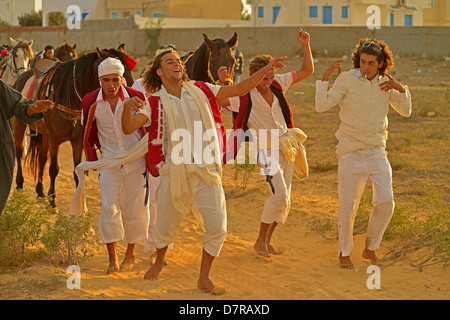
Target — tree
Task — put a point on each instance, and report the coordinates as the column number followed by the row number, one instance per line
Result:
column 56, row 19
column 31, row 19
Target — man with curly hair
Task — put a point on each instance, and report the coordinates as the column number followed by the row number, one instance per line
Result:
column 266, row 108
column 364, row 95
column 189, row 181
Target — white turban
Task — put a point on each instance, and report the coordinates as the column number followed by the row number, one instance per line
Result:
column 110, row 66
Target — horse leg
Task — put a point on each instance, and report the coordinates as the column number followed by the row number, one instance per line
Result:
column 43, row 155
column 53, row 170
column 77, row 151
column 19, row 133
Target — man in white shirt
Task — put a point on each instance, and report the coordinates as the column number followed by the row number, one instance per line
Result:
column 195, row 182
column 267, row 114
column 124, row 210
column 363, row 94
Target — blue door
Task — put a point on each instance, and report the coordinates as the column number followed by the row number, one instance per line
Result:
column 327, row 15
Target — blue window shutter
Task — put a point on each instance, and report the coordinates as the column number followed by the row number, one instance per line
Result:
column 260, row 12
column 313, row 11
column 344, row 11
column 408, row 20
column 276, row 12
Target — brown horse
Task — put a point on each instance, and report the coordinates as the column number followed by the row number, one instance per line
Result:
column 64, row 53
column 66, row 85
column 209, row 57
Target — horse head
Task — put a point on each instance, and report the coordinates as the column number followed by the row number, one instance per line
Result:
column 127, row 60
column 66, row 52
column 19, row 59
column 209, row 57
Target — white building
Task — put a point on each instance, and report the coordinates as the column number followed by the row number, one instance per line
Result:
column 48, row 6
column 10, row 10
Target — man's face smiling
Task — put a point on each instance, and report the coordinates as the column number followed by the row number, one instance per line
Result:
column 111, row 85
column 171, row 68
column 265, row 83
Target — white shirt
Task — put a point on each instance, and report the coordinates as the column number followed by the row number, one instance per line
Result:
column 363, row 109
column 187, row 115
column 110, row 134
column 262, row 115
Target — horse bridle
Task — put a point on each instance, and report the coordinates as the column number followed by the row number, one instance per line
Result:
column 229, row 80
column 14, row 70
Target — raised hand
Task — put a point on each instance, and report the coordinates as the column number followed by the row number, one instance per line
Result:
column 333, row 66
column 275, row 64
column 391, row 84
column 303, row 37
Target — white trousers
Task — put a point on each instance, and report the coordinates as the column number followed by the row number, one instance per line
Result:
column 278, row 205
column 353, row 171
column 123, row 213
column 209, row 207
column 149, row 243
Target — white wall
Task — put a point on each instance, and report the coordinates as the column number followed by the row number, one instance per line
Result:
column 10, row 10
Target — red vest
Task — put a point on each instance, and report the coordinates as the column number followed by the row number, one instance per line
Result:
column 155, row 148
column 240, row 119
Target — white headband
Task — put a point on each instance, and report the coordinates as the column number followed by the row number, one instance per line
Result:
column 110, row 66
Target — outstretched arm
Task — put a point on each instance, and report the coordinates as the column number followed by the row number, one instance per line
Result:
column 248, row 84
column 307, row 67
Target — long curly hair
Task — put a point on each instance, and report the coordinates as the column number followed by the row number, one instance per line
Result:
column 259, row 62
column 152, row 82
column 385, row 54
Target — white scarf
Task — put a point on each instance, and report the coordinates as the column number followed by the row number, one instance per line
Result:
column 180, row 190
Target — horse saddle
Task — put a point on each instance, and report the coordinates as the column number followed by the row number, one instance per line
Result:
column 37, row 87
column 43, row 66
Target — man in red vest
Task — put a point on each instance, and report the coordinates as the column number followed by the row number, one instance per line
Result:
column 266, row 108
column 125, row 212
column 190, row 168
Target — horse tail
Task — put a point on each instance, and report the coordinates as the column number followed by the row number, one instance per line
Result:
column 31, row 161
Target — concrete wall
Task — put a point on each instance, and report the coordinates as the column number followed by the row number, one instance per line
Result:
column 336, row 40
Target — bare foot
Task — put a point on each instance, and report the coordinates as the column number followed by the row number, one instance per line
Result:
column 207, row 286
column 127, row 264
column 370, row 255
column 113, row 267
column 345, row 262
column 154, row 271
column 272, row 250
column 260, row 248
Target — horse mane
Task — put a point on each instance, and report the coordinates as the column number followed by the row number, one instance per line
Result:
column 74, row 79
column 85, row 77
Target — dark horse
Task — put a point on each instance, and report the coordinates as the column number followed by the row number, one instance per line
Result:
column 66, row 85
column 209, row 57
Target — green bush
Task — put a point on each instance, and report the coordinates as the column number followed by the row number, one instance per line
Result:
column 21, row 226
column 69, row 240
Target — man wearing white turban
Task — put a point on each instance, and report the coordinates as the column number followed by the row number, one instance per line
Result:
column 124, row 213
